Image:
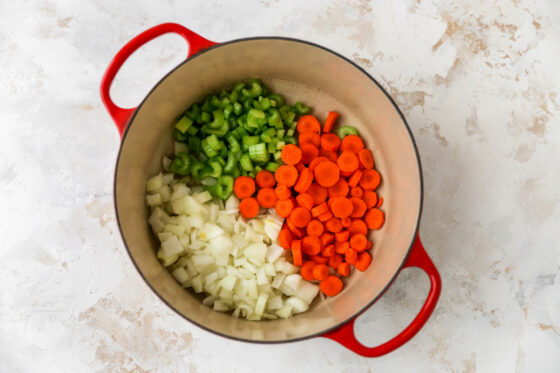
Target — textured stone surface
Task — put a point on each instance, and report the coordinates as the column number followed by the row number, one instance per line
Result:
column 479, row 83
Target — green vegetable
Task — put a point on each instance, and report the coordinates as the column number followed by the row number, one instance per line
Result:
column 245, row 162
column 344, row 131
column 258, row 152
column 183, row 124
column 177, row 135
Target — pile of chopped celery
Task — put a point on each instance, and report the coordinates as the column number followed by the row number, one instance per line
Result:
column 234, row 132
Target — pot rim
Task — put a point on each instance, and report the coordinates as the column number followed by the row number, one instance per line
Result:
column 413, row 237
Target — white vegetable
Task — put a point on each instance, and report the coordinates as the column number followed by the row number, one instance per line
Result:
column 154, row 183
column 171, row 247
column 180, row 275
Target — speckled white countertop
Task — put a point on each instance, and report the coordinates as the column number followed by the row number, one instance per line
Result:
column 479, row 83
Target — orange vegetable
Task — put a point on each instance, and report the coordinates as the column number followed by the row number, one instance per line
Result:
column 330, row 155
column 355, row 178
column 340, row 189
column 328, row 250
column 335, row 260
column 358, row 207
column 333, row 225
column 341, row 236
column 332, row 116
column 366, row 158
column 286, row 175
column 327, row 173
column 358, row 242
column 379, row 203
column 305, row 200
column 308, row 153
column 345, row 222
column 341, row 207
column 345, row 173
column 319, row 209
column 320, row 272
column 316, row 161
column 249, row 207
column 325, row 216
column 296, row 252
column 285, row 238
column 244, row 187
column 330, row 142
column 370, row 180
column 295, row 230
column 370, row 198
column 374, row 218
column 352, row 143
column 315, row 228
column 369, row 245
column 351, row 256
column 308, row 123
column 357, row 192
column 331, row 286
column 282, row 191
column 306, row 270
column 341, row 247
column 265, row 179
column 344, row 269
column 311, row 245
column 300, row 217
column 318, row 193
column 267, row 197
column 318, row 259
column 348, row 162
column 291, row 154
column 300, row 166
column 309, row 137
column 363, row 262
column 358, row 226
column 284, row 207
column 326, row 238
column 304, row 181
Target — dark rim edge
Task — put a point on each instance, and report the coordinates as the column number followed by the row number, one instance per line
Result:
column 421, row 201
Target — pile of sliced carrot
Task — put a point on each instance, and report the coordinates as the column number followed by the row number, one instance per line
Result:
column 326, row 192
column 245, row 187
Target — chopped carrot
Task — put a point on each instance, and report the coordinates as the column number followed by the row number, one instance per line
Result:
column 341, row 207
column 332, row 116
column 374, row 218
column 296, row 252
column 343, row 269
column 358, row 207
column 284, row 207
column 330, row 142
column 333, row 225
column 348, row 162
column 326, row 238
column 341, row 247
column 305, row 200
column 295, row 230
column 291, row 154
column 249, row 207
column 286, row 174
column 304, row 180
column 316, row 161
column 309, row 137
column 306, row 270
column 327, row 173
column 265, row 179
column 369, row 245
column 244, row 187
column 318, row 193
column 285, row 238
column 341, row 236
column 282, row 191
column 352, row 143
column 328, row 250
column 379, row 203
column 319, row 209
column 340, row 189
column 351, row 256
column 311, row 245
column 364, row 260
column 366, row 158
column 331, row 286
column 345, row 173
column 330, row 155
column 358, row 242
column 325, row 216
column 370, row 180
column 355, row 178
column 300, row 166
column 358, row 226
column 308, row 123
column 345, row 222
column 315, row 228
column 320, row 272
column 300, row 217
column 318, row 259
column 308, row 153
column 266, row 197
column 370, row 198
column 335, row 260
column 356, row 192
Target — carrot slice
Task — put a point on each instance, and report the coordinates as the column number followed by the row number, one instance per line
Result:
column 331, row 286
column 352, row 143
column 327, row 173
column 308, row 123
column 358, row 207
column 311, row 245
column 296, row 252
column 374, row 218
column 341, row 207
column 267, row 197
column 287, row 175
column 340, row 189
column 341, row 247
column 244, row 187
column 326, row 238
column 332, row 116
column 249, row 208
column 308, row 153
column 316, row 161
column 369, row 245
column 265, row 179
column 333, row 225
column 320, row 272
column 370, row 198
column 325, row 216
column 295, row 230
column 370, row 180
column 357, row 192
column 363, row 262
column 309, row 137
column 343, row 269
column 330, row 142
column 300, row 166
column 318, row 259
column 366, row 158
column 304, row 181
column 328, row 250
column 291, row 154
column 351, row 256
column 306, row 270
column 300, row 217
column 345, row 174
column 330, row 155
column 379, row 203
column 282, row 191
column 335, row 260
column 342, row 236
column 358, row 226
column 348, row 161
column 345, row 222
column 318, row 193
column 355, row 178
column 358, row 242
column 305, row 200
column 285, row 238
column 284, row 207
column 319, row 209
column 315, row 228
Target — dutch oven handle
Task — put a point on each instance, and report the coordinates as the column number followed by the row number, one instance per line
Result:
column 345, row 334
column 120, row 115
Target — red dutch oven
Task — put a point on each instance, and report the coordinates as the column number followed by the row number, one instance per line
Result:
column 298, row 70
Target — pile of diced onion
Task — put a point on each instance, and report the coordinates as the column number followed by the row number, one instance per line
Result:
column 236, row 263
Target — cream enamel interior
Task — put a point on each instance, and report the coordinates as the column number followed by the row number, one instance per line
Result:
column 298, row 71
